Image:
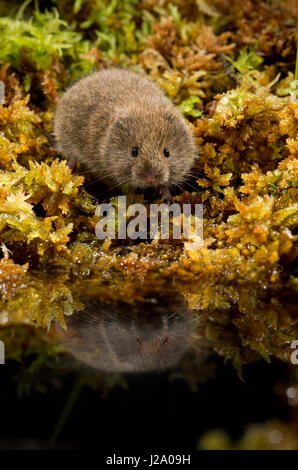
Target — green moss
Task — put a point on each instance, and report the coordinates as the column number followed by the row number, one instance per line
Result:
column 187, row 107
column 43, row 35
column 247, row 60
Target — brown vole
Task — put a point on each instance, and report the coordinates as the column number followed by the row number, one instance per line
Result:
column 146, row 338
column 123, row 128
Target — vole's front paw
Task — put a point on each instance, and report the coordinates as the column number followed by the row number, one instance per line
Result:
column 165, row 194
column 72, row 163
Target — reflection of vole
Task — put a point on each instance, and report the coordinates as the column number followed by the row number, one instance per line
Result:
column 125, row 130
column 153, row 337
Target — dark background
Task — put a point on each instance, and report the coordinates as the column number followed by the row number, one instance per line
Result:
column 151, row 413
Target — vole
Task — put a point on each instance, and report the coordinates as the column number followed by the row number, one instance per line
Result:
column 122, row 339
column 124, row 129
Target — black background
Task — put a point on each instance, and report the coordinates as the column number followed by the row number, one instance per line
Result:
column 151, row 413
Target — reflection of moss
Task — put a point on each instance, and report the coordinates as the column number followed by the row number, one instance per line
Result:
column 240, row 281
column 43, row 362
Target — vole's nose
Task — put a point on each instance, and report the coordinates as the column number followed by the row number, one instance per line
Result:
column 151, row 177
column 149, row 328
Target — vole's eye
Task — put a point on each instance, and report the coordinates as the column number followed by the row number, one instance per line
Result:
column 165, row 340
column 166, row 152
column 135, row 152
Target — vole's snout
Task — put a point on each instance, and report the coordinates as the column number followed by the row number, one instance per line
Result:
column 151, row 176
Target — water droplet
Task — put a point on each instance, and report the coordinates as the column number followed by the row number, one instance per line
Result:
column 291, row 392
column 275, row 436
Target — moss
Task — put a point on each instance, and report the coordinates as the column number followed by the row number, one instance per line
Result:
column 271, row 435
column 240, row 282
column 247, row 60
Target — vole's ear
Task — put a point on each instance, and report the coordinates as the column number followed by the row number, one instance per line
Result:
column 170, row 118
column 119, row 131
column 119, row 125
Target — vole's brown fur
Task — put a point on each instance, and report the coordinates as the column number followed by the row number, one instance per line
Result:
column 101, row 118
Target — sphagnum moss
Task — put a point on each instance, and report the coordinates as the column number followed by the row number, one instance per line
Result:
column 240, row 282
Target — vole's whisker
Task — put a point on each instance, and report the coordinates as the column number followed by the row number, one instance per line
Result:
column 96, row 180
column 170, row 315
column 81, row 173
column 192, row 186
column 179, row 187
column 197, row 174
